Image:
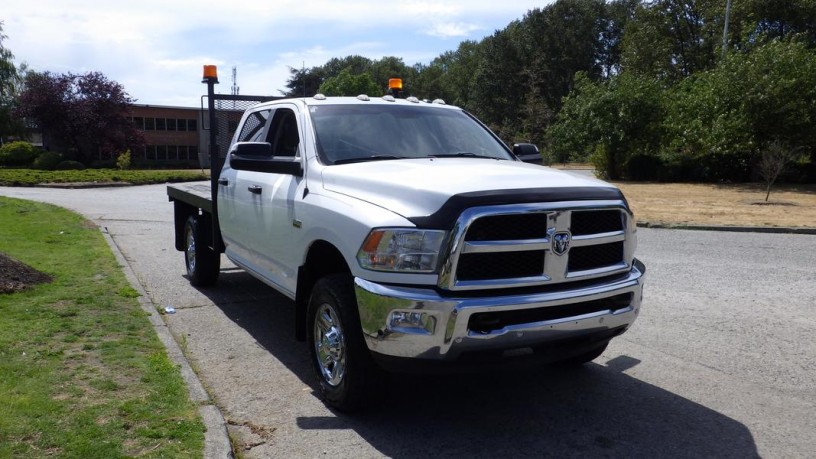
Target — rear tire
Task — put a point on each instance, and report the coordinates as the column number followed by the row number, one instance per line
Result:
column 348, row 377
column 203, row 263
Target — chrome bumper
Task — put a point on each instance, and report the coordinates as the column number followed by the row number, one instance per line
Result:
column 418, row 323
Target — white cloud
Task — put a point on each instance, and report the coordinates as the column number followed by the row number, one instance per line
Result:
column 156, row 48
column 451, row 29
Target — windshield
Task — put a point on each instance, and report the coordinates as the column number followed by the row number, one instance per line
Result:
column 354, row 133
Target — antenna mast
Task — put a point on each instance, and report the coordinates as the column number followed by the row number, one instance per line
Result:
column 235, row 89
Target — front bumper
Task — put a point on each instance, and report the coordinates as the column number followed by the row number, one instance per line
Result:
column 415, row 323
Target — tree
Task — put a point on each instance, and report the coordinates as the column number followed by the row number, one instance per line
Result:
column 618, row 13
column 303, row 82
column 774, row 160
column 558, row 41
column 10, row 82
column 499, row 83
column 84, row 115
column 672, row 39
column 765, row 20
column 458, row 73
column 347, row 84
column 388, row 67
column 721, row 119
column 609, row 123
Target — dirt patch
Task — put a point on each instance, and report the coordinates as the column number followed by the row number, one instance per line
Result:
column 724, row 204
column 16, row 276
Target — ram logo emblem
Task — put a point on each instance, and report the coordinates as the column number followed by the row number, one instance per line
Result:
column 561, row 242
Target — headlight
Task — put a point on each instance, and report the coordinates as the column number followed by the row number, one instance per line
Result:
column 397, row 249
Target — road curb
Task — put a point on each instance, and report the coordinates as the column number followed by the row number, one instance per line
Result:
column 727, row 228
column 216, row 436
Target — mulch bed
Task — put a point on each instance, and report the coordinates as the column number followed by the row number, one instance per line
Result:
column 16, row 276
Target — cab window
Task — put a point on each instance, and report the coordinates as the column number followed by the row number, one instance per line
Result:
column 283, row 133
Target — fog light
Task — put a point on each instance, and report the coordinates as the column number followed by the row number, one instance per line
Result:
column 412, row 322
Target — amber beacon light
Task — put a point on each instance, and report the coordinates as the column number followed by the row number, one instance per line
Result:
column 210, row 73
column 395, row 83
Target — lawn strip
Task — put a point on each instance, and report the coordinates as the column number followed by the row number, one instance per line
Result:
column 82, row 372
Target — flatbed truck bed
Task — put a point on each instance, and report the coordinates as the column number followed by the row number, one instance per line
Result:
column 197, row 194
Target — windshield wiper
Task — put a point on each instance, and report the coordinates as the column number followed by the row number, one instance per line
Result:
column 367, row 158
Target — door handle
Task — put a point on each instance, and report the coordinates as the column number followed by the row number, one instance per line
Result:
column 223, row 181
column 255, row 189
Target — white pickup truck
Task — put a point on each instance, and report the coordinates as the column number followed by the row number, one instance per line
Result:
column 411, row 238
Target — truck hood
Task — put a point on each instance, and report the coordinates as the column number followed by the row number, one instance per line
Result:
column 419, row 187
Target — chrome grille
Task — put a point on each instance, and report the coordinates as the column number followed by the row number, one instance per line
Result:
column 508, row 227
column 595, row 256
column 500, row 265
column 506, row 246
column 596, row 222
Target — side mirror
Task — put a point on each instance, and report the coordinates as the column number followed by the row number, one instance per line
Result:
column 528, row 153
column 257, row 157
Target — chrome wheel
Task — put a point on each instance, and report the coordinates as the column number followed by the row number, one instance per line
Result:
column 203, row 263
column 330, row 345
column 190, row 253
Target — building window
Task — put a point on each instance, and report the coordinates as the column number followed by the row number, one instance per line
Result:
column 150, row 152
column 150, row 124
column 192, row 125
column 181, row 125
column 171, row 124
column 160, row 124
column 139, row 122
column 161, row 152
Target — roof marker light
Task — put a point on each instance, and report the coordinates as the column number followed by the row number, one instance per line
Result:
column 363, row 97
column 388, row 98
column 413, row 99
column 319, row 96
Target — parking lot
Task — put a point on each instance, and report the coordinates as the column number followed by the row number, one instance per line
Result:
column 721, row 362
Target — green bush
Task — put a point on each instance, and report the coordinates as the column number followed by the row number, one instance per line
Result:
column 642, row 167
column 600, row 161
column 47, row 161
column 123, row 161
column 17, row 154
column 70, row 166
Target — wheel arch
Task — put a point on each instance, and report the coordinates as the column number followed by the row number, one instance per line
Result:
column 322, row 259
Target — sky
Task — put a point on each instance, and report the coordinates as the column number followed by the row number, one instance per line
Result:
column 156, row 49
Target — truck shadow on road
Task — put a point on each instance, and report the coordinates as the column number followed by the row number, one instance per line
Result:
column 595, row 410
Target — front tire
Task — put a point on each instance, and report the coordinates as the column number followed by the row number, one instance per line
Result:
column 348, row 378
column 203, row 263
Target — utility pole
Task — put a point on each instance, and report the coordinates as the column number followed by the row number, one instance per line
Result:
column 725, row 27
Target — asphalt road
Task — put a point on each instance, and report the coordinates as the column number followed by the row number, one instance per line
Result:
column 721, row 363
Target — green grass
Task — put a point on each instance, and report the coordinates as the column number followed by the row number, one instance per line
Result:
column 31, row 177
column 82, row 372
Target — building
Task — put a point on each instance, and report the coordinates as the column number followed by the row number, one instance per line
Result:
column 173, row 135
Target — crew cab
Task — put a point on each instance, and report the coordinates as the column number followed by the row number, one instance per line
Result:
column 411, row 238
